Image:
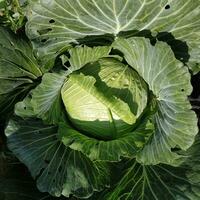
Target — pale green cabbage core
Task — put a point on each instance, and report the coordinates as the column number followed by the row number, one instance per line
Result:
column 104, row 99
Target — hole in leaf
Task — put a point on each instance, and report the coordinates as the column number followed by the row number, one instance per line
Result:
column 43, row 40
column 167, row 7
column 44, row 31
column 175, row 149
column 51, row 21
column 182, row 90
column 24, row 108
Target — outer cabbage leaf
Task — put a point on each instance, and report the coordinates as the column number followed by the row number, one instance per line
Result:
column 18, row 69
column 58, row 169
column 112, row 150
column 81, row 56
column 54, row 25
column 169, row 80
column 155, row 182
column 46, row 97
column 17, row 52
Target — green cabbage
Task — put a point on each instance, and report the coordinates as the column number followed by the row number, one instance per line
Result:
column 97, row 104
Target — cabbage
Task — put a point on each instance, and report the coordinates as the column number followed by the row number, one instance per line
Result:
column 97, row 100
